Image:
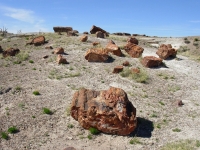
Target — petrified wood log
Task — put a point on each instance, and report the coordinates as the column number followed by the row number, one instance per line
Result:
column 109, row 111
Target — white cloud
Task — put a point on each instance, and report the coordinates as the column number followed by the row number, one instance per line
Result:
column 24, row 19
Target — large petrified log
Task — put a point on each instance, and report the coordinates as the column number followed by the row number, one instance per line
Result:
column 10, row 52
column 109, row 111
column 166, row 51
column 113, row 48
column 39, row 40
column 133, row 50
column 151, row 61
column 96, row 55
column 95, row 29
column 62, row 29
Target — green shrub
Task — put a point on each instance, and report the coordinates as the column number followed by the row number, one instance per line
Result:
column 89, row 136
column 134, row 141
column 176, row 130
column 36, row 92
column 47, row 111
column 94, row 131
column 4, row 135
column 13, row 130
column 31, row 61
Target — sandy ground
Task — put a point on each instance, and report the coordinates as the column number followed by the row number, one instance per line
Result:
column 156, row 101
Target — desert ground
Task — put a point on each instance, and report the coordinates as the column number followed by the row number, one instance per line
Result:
column 162, row 124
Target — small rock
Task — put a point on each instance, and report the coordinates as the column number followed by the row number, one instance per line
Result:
column 59, row 50
column 46, row 56
column 84, row 38
column 70, row 148
column 180, row 103
column 126, row 63
column 118, row 69
column 61, row 60
column 48, row 47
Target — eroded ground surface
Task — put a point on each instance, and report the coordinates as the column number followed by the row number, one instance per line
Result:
column 156, row 101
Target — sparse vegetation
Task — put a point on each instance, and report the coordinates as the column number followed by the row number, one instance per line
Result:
column 31, row 61
column 176, row 130
column 70, row 125
column 4, row 135
column 47, row 111
column 135, row 141
column 36, row 92
column 13, row 130
column 94, row 131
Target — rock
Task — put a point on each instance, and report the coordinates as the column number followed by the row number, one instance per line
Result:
column 95, row 29
column 114, row 49
column 70, row 148
column 75, row 31
column 133, row 50
column 118, row 69
column 118, row 33
column 166, row 51
column 46, row 56
column 37, row 41
column 59, row 50
column 97, row 55
column 84, row 38
column 132, row 40
column 111, row 41
column 62, row 29
column 61, row 60
column 180, row 103
column 109, row 111
column 48, row 47
column 126, row 63
column 1, row 50
column 85, row 33
column 71, row 33
column 126, row 34
column 10, row 52
column 135, row 70
column 151, row 61
column 99, row 34
column 95, row 43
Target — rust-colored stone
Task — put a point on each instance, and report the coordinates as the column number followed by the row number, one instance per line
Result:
column 61, row 60
column 10, row 52
column 118, row 69
column 133, row 50
column 126, row 63
column 62, row 29
column 96, row 55
column 109, row 111
column 135, row 70
column 85, row 32
column 166, row 51
column 71, row 33
column 100, row 34
column 84, row 38
column 48, row 47
column 114, row 49
column 95, row 29
column 37, row 40
column 151, row 61
column 95, row 43
column 132, row 40
column 59, row 50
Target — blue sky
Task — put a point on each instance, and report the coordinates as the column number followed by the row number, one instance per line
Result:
column 150, row 17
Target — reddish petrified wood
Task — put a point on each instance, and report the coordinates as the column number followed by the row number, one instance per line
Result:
column 151, row 61
column 109, row 111
column 84, row 38
column 133, row 50
column 59, row 50
column 118, row 69
column 114, row 49
column 166, row 51
column 132, row 40
column 96, row 55
column 10, row 52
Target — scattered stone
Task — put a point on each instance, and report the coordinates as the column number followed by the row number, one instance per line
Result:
column 126, row 34
column 62, row 29
column 85, row 33
column 126, row 63
column 75, row 31
column 46, row 56
column 48, row 47
column 118, row 33
column 59, row 50
column 180, row 103
column 84, row 38
column 95, row 43
column 118, row 69
column 114, row 49
column 133, row 50
column 97, row 55
column 37, row 41
column 132, row 40
column 166, row 51
column 99, row 34
column 151, row 61
column 95, row 29
column 5, row 90
column 10, row 52
column 135, row 70
column 109, row 111
column 61, row 60
column 71, row 33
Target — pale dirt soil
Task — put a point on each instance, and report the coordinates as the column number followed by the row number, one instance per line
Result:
column 155, row 101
